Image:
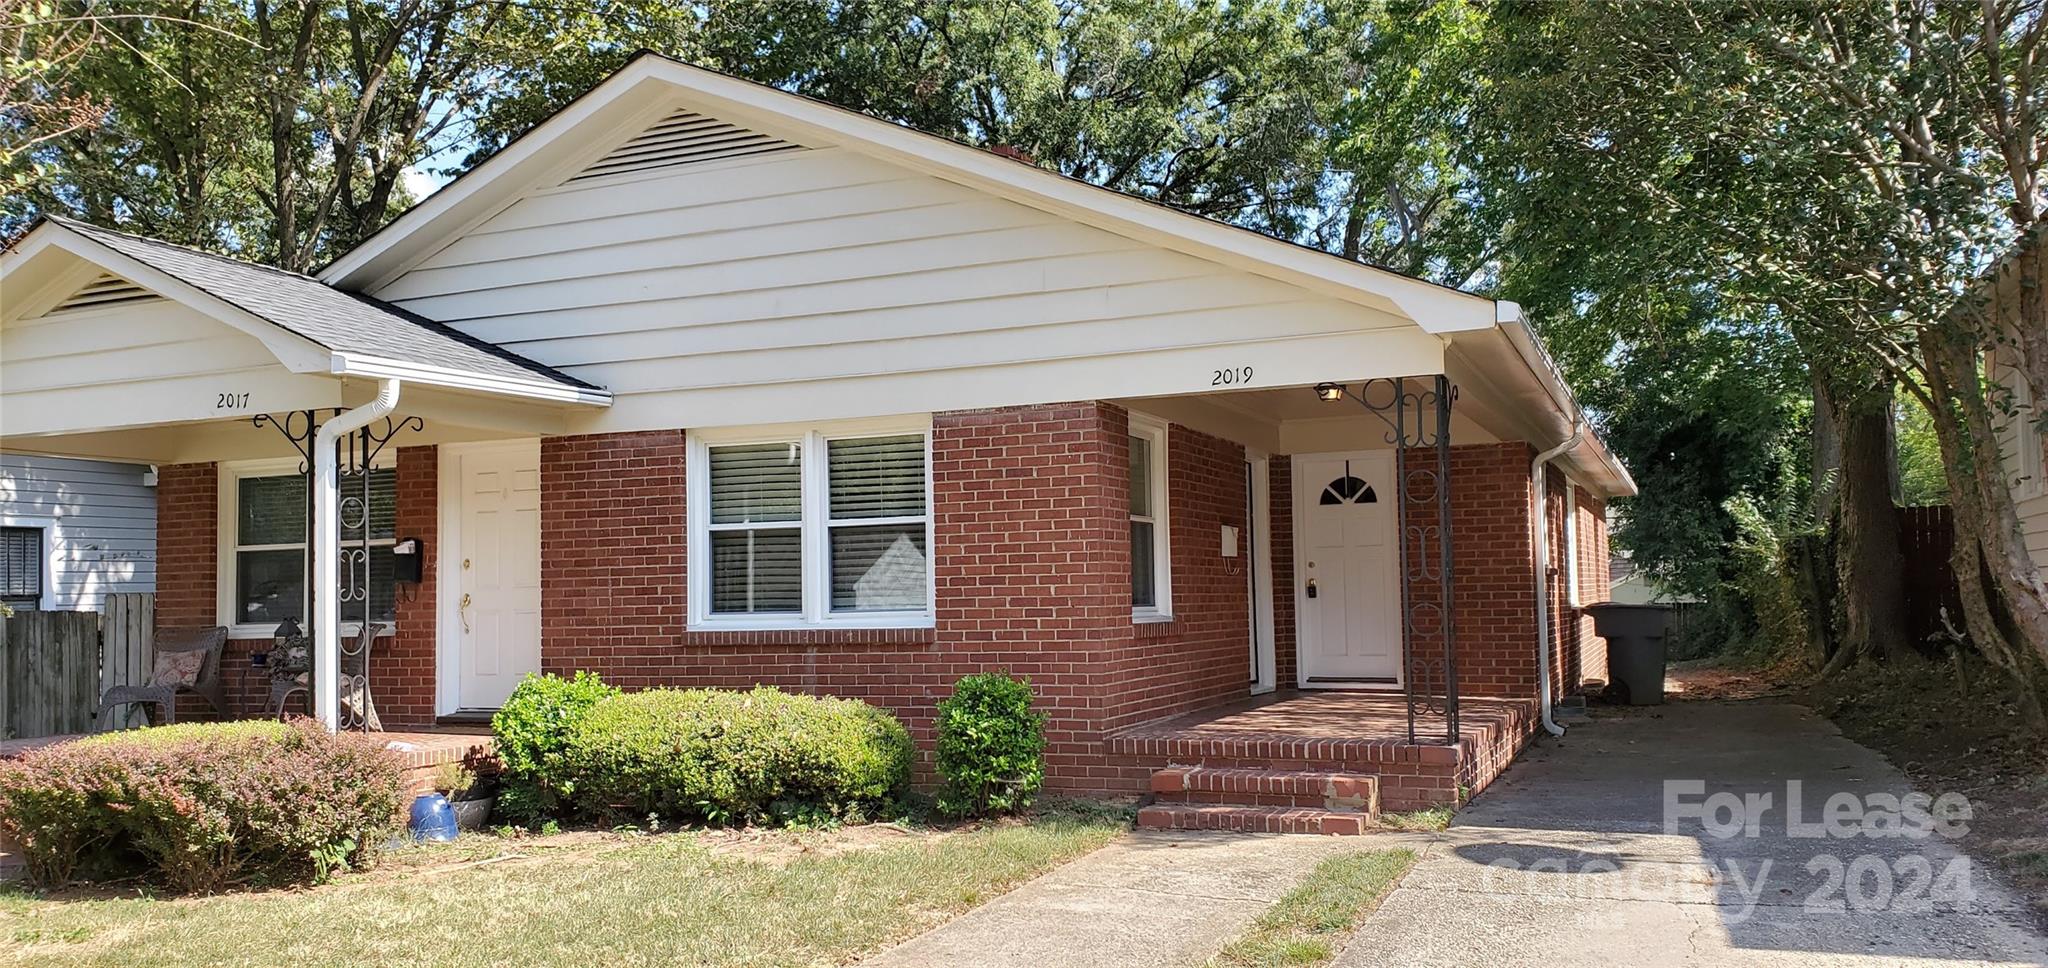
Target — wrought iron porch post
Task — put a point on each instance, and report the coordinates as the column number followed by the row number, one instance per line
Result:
column 1420, row 563
column 356, row 453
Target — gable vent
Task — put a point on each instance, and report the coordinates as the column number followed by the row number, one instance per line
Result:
column 107, row 290
column 684, row 138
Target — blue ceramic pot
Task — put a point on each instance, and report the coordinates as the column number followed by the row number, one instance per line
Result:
column 432, row 819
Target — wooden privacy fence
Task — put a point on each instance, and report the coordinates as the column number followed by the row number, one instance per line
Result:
column 1927, row 536
column 55, row 665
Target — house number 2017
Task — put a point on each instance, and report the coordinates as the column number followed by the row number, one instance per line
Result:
column 1231, row 376
column 231, row 401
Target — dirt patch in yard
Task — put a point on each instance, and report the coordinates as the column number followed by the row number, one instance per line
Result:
column 1956, row 730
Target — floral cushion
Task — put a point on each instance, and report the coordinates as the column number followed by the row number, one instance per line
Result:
column 178, row 669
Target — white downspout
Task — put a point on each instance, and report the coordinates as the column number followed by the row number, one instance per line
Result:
column 327, row 550
column 1539, row 487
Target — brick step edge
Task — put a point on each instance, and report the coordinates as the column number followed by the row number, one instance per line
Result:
column 1336, row 791
column 1263, row 820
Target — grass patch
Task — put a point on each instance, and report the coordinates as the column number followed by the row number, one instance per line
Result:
column 1306, row 926
column 1427, row 818
column 693, row 897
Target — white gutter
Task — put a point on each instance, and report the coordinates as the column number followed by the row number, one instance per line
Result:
column 1509, row 316
column 382, row 368
column 327, row 550
column 1539, row 487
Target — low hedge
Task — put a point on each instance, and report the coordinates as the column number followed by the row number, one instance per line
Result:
column 734, row 757
column 201, row 806
column 531, row 732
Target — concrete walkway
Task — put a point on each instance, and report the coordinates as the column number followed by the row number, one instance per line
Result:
column 1565, row 860
column 1151, row 898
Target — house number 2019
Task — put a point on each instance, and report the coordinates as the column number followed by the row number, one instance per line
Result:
column 1231, row 376
column 231, row 401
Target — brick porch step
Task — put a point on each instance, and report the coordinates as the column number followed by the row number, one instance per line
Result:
column 1320, row 789
column 1249, row 819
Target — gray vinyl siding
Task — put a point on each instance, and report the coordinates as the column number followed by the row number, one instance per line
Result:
column 105, row 515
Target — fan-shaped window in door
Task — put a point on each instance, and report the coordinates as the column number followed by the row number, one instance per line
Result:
column 1348, row 490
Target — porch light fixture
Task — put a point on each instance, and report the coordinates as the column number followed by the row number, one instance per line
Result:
column 1329, row 392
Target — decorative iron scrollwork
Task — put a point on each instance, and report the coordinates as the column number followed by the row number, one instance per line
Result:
column 1418, row 419
column 355, row 452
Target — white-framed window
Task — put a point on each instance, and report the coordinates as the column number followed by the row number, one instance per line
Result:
column 1571, row 543
column 1151, row 562
column 811, row 527
column 25, row 563
column 263, row 534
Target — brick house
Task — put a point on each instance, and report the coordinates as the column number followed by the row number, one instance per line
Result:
column 702, row 383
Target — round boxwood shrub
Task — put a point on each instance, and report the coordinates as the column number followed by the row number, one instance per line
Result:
column 991, row 748
column 530, row 732
column 201, row 806
column 735, row 757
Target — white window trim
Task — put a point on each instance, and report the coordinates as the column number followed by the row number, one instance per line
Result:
column 227, row 511
column 1571, row 544
column 815, row 527
column 47, row 602
column 1154, row 430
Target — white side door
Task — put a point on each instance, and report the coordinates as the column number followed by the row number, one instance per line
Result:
column 1344, row 523
column 497, row 586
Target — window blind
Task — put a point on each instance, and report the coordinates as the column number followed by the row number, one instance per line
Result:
column 757, row 569
column 21, row 566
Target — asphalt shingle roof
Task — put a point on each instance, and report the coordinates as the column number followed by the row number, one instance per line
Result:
column 344, row 322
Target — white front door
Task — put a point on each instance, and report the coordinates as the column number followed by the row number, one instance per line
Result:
column 497, row 571
column 1348, row 596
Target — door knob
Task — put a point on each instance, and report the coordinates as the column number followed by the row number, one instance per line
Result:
column 463, row 608
column 1311, row 588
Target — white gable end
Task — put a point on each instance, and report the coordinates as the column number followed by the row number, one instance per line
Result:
column 801, row 284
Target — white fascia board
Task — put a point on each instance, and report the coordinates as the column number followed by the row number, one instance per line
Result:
column 297, row 353
column 1591, row 454
column 630, row 92
column 384, row 368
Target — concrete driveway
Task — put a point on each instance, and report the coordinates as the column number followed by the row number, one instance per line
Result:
column 1567, row 860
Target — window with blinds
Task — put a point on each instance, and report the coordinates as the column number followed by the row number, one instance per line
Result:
column 757, row 528
column 876, row 495
column 269, row 579
column 21, row 567
column 814, row 530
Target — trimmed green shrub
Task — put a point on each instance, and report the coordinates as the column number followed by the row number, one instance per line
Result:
column 531, row 731
column 735, row 757
column 202, row 806
column 991, row 746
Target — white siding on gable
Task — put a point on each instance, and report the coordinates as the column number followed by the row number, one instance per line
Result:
column 100, row 521
column 814, row 284
column 156, row 359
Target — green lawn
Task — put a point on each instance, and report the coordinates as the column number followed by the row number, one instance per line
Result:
column 687, row 898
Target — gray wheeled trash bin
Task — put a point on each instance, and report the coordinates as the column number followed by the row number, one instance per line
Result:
column 1635, row 647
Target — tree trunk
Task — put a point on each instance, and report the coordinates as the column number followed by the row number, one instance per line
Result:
column 1866, row 527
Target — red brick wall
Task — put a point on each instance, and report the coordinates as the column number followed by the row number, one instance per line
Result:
column 1580, row 654
column 186, row 545
column 611, row 551
column 1280, row 497
column 1202, row 656
column 1030, row 560
column 403, row 675
column 1494, row 568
